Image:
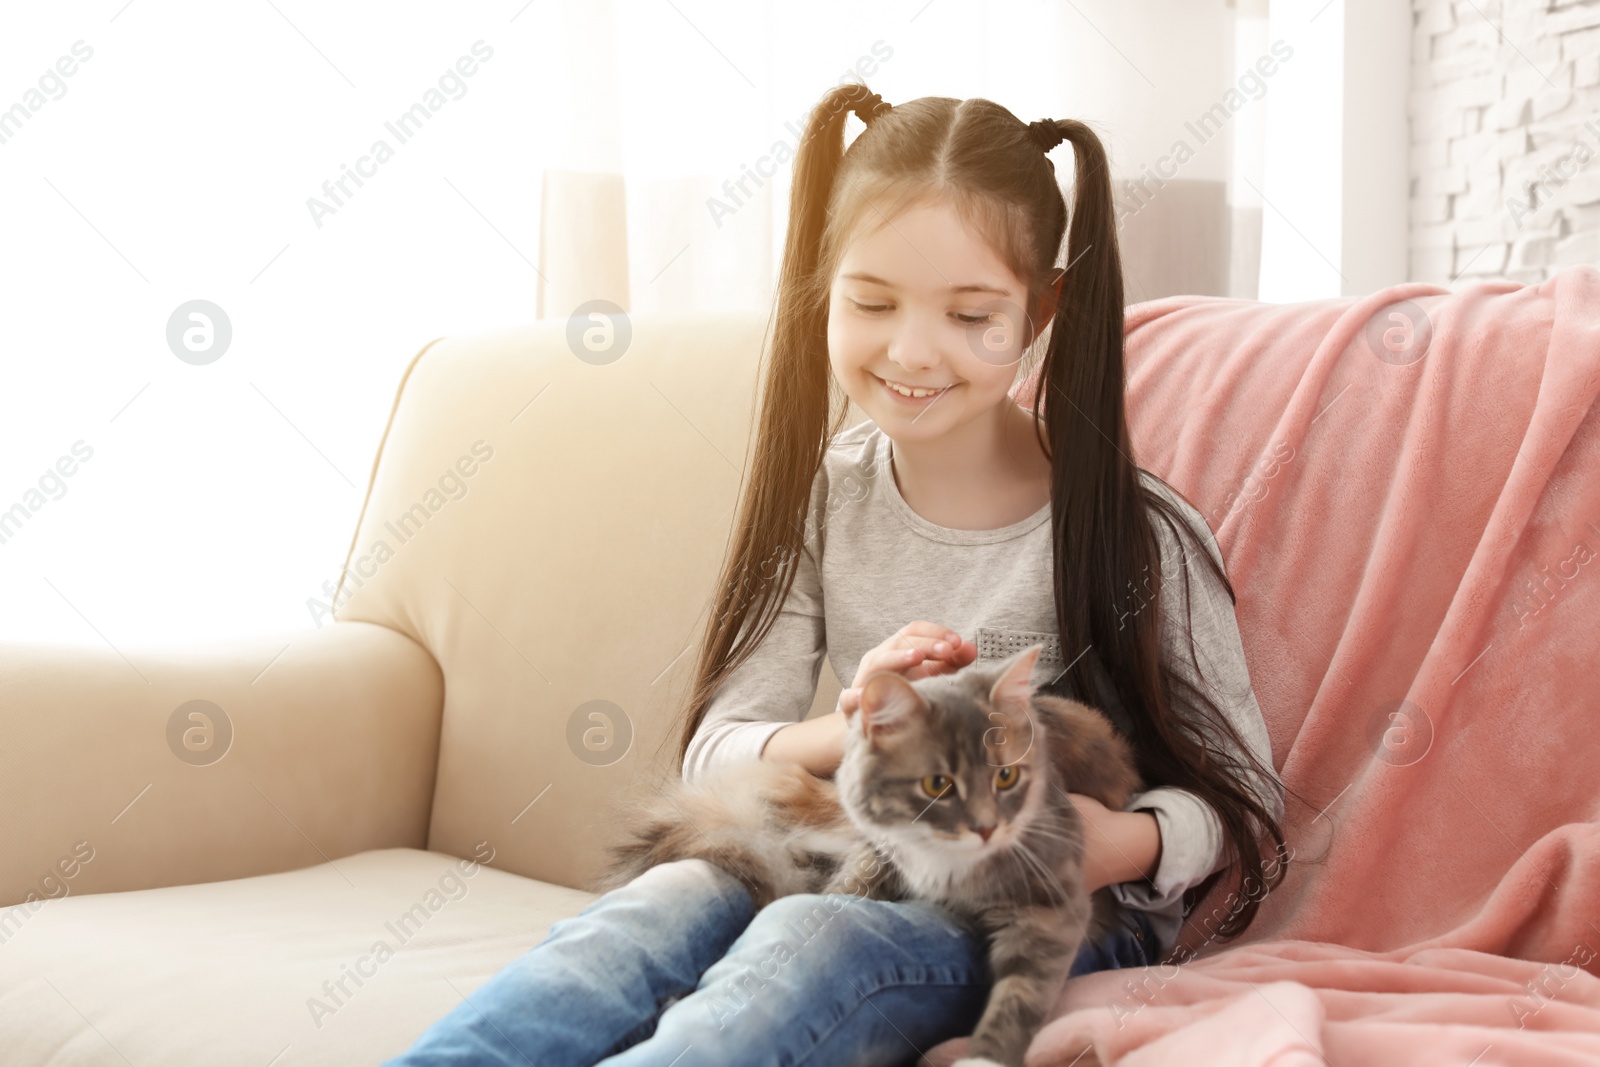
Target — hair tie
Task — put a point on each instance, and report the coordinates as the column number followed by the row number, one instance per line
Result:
column 869, row 108
column 1045, row 133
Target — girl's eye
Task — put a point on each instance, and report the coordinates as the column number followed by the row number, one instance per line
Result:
column 965, row 320
column 1006, row 777
column 935, row 785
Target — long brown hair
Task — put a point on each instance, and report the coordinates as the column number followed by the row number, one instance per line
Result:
column 985, row 162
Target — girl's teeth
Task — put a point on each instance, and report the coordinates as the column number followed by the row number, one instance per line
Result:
column 911, row 392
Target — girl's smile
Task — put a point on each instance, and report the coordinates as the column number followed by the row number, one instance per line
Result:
column 913, row 396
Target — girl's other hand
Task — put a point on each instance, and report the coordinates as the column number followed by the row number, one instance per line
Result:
column 916, row 650
column 1118, row 846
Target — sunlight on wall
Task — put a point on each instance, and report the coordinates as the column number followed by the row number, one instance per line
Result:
column 1300, row 228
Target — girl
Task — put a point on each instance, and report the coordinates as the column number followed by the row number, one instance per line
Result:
column 917, row 273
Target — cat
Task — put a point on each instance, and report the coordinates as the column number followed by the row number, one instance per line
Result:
column 952, row 789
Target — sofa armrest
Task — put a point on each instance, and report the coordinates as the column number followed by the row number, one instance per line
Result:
column 110, row 779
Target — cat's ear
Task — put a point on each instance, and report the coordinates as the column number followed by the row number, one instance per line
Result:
column 1013, row 684
column 889, row 705
column 1011, row 704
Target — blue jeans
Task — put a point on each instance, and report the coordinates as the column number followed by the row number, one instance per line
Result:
column 677, row 967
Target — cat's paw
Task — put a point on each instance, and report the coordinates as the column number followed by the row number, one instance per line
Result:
column 979, row 1061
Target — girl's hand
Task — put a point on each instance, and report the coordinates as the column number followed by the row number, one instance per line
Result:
column 917, row 650
column 1118, row 846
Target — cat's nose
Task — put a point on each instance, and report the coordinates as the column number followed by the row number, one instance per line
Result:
column 984, row 832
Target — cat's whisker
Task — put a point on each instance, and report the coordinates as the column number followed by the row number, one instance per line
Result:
column 1054, row 891
column 1021, row 865
column 1057, row 833
column 1076, row 840
column 1018, row 860
column 1051, row 880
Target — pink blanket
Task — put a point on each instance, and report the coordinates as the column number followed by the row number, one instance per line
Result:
column 1406, row 489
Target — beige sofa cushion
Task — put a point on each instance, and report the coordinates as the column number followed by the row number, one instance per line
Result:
column 549, row 528
column 230, row 974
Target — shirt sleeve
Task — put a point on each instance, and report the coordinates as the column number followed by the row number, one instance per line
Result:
column 777, row 683
column 1191, row 831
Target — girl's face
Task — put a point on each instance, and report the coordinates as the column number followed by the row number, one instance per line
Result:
column 926, row 304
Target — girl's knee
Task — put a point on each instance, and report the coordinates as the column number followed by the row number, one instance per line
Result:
column 807, row 915
column 885, row 930
column 689, row 893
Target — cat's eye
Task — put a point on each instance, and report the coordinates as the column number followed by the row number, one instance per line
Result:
column 1006, row 777
column 936, row 785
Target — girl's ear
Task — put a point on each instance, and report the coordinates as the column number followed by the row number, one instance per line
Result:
column 1042, row 312
column 889, row 706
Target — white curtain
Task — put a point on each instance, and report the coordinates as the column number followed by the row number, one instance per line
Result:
column 672, row 193
column 633, row 151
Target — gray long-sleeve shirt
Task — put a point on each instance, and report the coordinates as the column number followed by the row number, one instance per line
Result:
column 871, row 564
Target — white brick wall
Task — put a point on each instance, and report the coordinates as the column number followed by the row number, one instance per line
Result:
column 1505, row 138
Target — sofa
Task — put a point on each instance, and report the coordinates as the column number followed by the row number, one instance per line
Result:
column 304, row 848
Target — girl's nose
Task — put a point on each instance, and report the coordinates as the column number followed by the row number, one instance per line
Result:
column 912, row 346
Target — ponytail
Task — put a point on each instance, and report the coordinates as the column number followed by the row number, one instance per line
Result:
column 1105, row 546
column 794, row 424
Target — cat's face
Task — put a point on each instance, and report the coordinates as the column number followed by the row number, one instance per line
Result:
column 949, row 767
